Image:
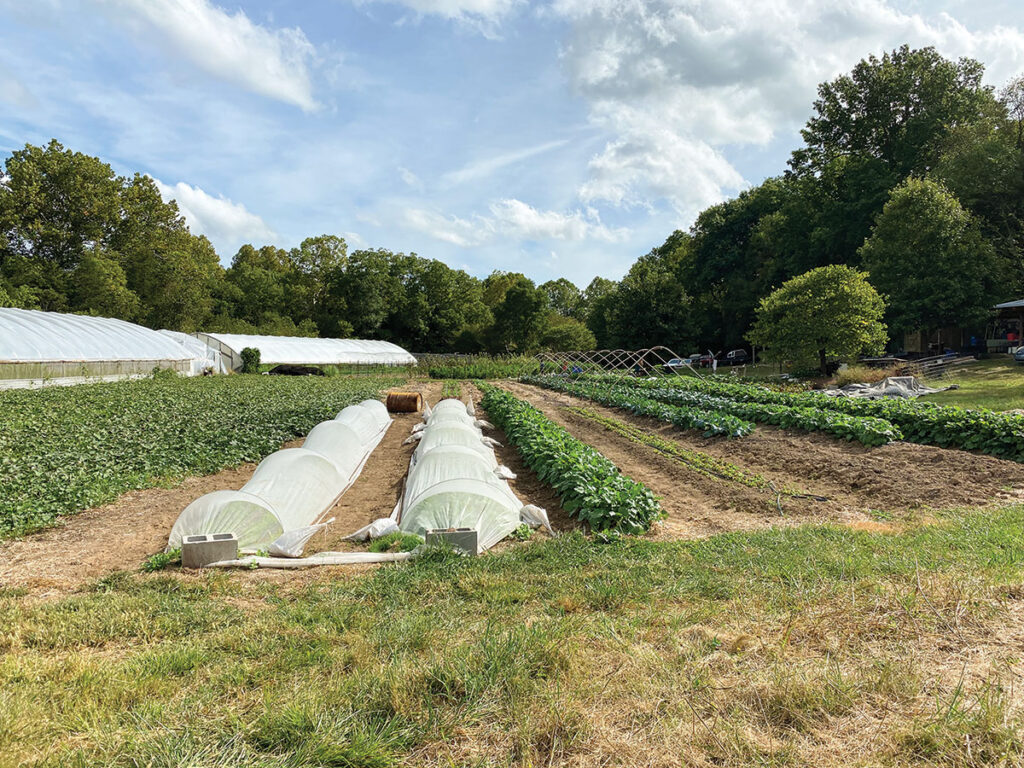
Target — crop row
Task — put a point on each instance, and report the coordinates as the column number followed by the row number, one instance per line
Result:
column 646, row 398
column 65, row 449
column 947, row 426
column 706, row 420
column 480, row 367
column 590, row 486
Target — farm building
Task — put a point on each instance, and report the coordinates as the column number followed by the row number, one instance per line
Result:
column 293, row 350
column 38, row 348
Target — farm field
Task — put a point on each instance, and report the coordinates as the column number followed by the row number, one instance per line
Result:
column 997, row 384
column 64, row 449
column 805, row 599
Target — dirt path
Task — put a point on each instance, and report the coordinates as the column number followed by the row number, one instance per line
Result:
column 897, row 479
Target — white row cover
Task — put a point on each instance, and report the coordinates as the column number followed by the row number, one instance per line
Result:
column 276, row 350
column 293, row 488
column 203, row 357
column 29, row 335
column 454, row 480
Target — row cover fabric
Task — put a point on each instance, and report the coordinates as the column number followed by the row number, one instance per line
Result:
column 204, row 358
column 293, row 488
column 891, row 386
column 30, row 335
column 277, row 350
column 454, row 480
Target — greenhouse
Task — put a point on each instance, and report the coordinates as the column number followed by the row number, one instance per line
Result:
column 293, row 488
column 298, row 350
column 204, row 359
column 39, row 348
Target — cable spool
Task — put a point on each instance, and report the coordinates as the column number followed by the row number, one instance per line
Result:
column 404, row 402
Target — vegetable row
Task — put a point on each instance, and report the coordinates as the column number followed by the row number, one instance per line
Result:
column 718, row 414
column 590, row 486
column 946, row 426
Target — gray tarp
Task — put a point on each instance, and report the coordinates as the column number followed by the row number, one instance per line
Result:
column 892, row 386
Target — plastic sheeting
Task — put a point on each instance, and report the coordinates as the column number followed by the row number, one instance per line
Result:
column 454, row 480
column 292, row 488
column 891, row 386
column 28, row 335
column 204, row 357
column 276, row 350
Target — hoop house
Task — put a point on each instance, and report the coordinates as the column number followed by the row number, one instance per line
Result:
column 293, row 350
column 52, row 347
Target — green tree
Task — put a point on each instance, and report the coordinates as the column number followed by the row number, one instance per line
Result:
column 101, row 288
column 563, row 297
column 519, row 318
column 596, row 309
column 896, row 109
column 566, row 334
column 829, row 312
column 929, row 257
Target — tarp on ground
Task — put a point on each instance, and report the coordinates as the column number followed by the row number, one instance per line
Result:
column 891, row 386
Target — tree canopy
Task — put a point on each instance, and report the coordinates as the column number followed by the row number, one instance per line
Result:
column 829, row 312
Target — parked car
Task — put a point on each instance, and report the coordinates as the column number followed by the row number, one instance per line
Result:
column 1019, row 355
column 737, row 357
column 705, row 360
column 675, row 364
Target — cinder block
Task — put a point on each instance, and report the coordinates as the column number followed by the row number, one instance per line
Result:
column 458, row 538
column 202, row 549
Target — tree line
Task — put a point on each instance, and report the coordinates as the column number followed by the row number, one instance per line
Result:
column 911, row 170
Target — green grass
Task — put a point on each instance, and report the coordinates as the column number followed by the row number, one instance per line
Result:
column 65, row 449
column 796, row 646
column 996, row 384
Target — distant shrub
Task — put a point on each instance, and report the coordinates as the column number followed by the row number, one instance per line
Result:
column 250, row 360
column 862, row 374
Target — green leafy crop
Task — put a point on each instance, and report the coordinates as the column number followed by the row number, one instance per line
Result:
column 590, row 486
column 65, row 449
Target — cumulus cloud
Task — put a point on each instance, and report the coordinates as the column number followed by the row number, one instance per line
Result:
column 514, row 220
column 677, row 82
column 226, row 223
column 271, row 62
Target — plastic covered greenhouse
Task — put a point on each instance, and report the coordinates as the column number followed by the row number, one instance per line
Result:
column 296, row 350
column 455, row 481
column 51, row 347
column 293, row 488
column 204, row 358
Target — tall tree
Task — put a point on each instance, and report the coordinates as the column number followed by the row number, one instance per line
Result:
column 927, row 255
column 563, row 297
column 896, row 109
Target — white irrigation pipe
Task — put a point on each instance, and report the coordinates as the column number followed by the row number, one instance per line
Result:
column 324, row 558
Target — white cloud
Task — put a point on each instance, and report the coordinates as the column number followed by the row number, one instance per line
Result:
column 270, row 62
column 512, row 220
column 676, row 82
column 489, row 165
column 226, row 223
column 410, row 178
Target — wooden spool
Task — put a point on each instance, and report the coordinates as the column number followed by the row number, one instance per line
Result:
column 404, row 402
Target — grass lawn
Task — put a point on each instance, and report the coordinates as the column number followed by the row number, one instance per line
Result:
column 800, row 646
column 997, row 384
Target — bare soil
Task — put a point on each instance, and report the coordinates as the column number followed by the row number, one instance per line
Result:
column 900, row 479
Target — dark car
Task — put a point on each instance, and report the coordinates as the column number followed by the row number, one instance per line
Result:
column 737, row 357
column 1019, row 355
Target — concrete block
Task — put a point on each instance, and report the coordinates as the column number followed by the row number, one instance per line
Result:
column 204, row 548
column 458, row 538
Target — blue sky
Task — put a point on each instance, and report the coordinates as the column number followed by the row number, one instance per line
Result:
column 560, row 138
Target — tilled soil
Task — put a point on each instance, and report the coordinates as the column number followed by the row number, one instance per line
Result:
column 897, row 479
